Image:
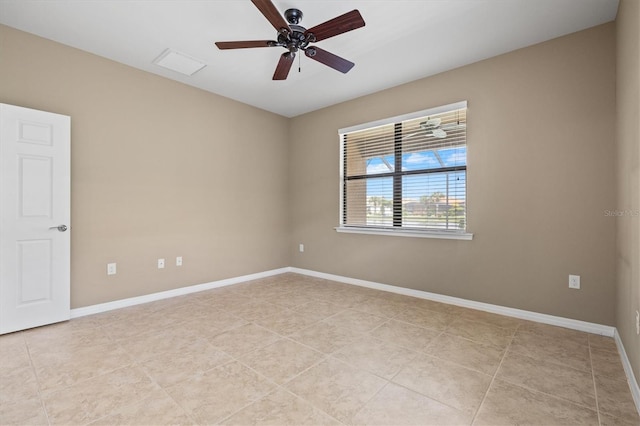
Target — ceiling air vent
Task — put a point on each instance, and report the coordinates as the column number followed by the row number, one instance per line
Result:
column 179, row 62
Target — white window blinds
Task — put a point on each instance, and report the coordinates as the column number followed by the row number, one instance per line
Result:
column 407, row 172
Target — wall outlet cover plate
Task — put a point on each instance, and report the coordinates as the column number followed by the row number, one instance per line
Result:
column 574, row 281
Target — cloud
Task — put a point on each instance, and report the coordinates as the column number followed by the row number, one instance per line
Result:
column 377, row 168
column 453, row 157
column 421, row 159
column 376, row 165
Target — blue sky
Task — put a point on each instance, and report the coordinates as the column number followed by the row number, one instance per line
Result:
column 416, row 186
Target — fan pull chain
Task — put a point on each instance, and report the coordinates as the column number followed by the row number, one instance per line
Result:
column 299, row 67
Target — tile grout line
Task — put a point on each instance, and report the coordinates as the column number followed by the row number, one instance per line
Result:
column 493, row 379
column 391, row 380
column 368, row 400
column 311, row 404
column 550, row 395
column 274, row 390
column 541, row 392
column 67, row 386
column 278, row 385
column 595, row 389
column 187, row 412
column 418, row 353
column 430, row 397
column 250, row 403
column 325, row 357
column 432, row 343
column 165, row 388
column 35, row 374
column 400, row 385
column 135, row 363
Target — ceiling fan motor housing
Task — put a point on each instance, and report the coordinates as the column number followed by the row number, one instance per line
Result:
column 296, row 39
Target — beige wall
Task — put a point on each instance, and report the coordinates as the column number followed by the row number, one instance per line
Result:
column 628, row 184
column 541, row 150
column 159, row 170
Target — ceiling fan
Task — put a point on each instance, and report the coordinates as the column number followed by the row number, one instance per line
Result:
column 433, row 127
column 294, row 37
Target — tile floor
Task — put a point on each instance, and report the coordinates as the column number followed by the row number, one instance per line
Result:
column 297, row 350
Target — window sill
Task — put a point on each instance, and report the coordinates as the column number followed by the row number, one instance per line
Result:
column 406, row 233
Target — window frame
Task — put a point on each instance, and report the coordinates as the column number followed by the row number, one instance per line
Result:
column 396, row 229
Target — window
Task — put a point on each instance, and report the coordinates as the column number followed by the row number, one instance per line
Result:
column 407, row 174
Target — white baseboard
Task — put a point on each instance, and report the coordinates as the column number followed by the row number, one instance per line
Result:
column 588, row 327
column 487, row 307
column 123, row 303
column 633, row 383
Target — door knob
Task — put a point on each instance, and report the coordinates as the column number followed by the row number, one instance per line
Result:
column 60, row 228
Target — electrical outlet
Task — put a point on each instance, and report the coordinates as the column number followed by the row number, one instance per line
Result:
column 160, row 263
column 111, row 269
column 179, row 261
column 637, row 322
column 301, row 248
column 574, row 282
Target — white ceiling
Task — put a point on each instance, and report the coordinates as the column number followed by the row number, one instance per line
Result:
column 403, row 40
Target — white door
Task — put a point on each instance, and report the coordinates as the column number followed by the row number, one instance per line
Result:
column 35, row 213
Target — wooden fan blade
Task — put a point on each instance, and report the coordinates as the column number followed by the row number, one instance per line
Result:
column 243, row 44
column 329, row 59
column 284, row 65
column 341, row 24
column 271, row 13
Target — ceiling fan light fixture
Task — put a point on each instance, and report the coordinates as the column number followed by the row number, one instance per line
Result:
column 439, row 133
column 179, row 62
column 293, row 16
